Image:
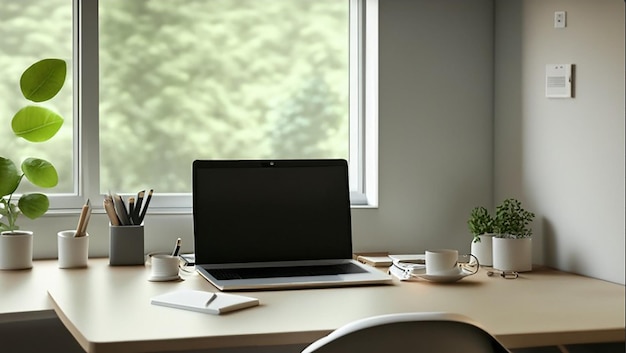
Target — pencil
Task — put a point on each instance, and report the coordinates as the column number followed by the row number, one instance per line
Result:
column 120, row 209
column 110, row 210
column 82, row 219
column 83, row 231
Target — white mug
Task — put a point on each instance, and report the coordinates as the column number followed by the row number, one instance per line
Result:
column 164, row 267
column 442, row 262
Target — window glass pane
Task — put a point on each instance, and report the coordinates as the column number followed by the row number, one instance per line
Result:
column 31, row 30
column 218, row 79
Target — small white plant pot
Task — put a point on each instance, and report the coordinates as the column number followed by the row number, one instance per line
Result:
column 73, row 251
column 510, row 254
column 16, row 250
column 483, row 249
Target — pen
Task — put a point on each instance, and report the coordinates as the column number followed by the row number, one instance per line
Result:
column 131, row 209
column 211, row 299
column 145, row 206
column 176, row 248
column 135, row 215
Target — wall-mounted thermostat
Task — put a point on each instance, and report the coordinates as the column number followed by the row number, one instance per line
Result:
column 558, row 80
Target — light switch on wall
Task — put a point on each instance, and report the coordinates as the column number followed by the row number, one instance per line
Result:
column 559, row 19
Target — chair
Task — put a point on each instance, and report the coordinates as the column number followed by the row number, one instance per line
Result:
column 409, row 332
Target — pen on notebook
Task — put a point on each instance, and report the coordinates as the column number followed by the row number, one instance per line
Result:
column 145, row 206
column 176, row 248
column 110, row 210
column 211, row 299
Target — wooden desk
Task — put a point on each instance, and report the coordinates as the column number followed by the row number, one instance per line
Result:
column 108, row 309
column 23, row 293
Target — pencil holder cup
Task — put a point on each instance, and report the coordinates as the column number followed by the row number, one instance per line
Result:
column 126, row 245
column 164, row 267
column 73, row 251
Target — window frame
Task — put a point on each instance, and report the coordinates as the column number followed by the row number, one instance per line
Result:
column 363, row 113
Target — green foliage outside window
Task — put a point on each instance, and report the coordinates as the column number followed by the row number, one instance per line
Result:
column 233, row 79
column 189, row 79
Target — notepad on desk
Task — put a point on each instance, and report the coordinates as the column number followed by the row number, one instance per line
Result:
column 375, row 260
column 204, row 302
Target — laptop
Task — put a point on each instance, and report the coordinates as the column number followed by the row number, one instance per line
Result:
column 274, row 224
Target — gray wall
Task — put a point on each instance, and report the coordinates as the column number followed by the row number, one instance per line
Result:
column 564, row 157
column 435, row 109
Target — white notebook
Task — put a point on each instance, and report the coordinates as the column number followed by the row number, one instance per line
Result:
column 204, row 302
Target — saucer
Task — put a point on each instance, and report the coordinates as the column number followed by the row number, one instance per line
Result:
column 446, row 278
column 164, row 279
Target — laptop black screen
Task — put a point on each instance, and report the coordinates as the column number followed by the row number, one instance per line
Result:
column 256, row 211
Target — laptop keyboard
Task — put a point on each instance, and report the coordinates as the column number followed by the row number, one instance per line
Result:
column 296, row 271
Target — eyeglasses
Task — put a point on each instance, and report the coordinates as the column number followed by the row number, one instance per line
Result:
column 503, row 274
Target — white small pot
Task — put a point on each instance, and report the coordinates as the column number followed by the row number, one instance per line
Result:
column 16, row 250
column 510, row 254
column 73, row 251
column 483, row 249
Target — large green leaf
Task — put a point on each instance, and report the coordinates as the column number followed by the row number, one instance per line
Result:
column 33, row 205
column 40, row 172
column 36, row 124
column 9, row 177
column 43, row 79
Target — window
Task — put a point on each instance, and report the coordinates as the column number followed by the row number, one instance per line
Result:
column 164, row 82
column 196, row 79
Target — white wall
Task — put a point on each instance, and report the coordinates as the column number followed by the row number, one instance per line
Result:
column 564, row 157
column 435, row 107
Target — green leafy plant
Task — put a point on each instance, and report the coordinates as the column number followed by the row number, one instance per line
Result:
column 39, row 83
column 480, row 222
column 512, row 220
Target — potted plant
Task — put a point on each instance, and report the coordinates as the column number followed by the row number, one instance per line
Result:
column 39, row 83
column 512, row 243
column 480, row 224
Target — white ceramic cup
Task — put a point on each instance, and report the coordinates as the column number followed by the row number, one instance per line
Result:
column 164, row 267
column 73, row 251
column 442, row 262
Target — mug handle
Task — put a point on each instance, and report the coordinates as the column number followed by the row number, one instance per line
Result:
column 472, row 265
